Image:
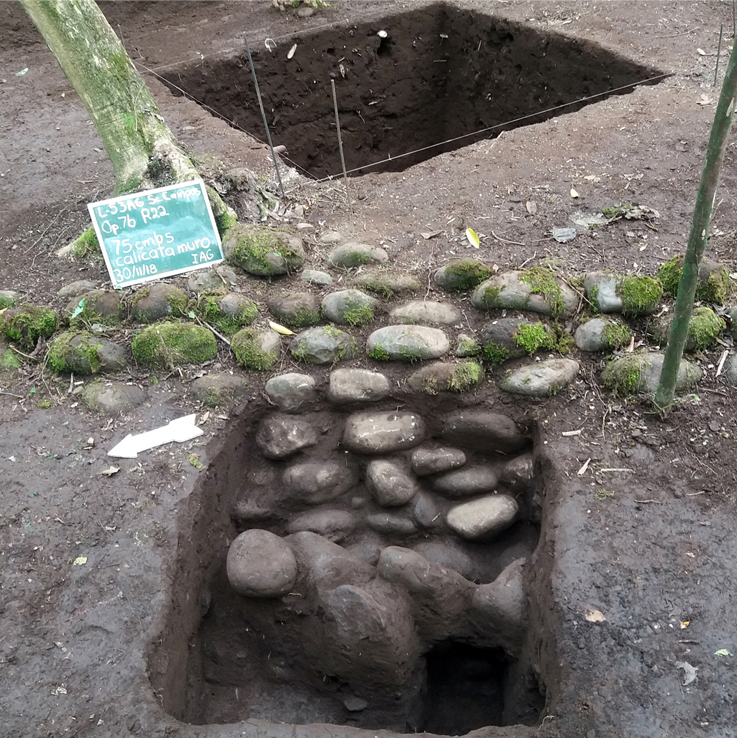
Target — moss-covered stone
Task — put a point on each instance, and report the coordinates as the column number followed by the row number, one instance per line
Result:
column 227, row 311
column 7, row 299
column 263, row 251
column 8, row 359
column 24, row 325
column 640, row 372
column 225, row 217
column 387, row 283
column 535, row 336
column 460, row 275
column 713, row 283
column 216, row 390
column 295, row 309
column 256, row 349
column 446, row 377
column 159, row 301
column 83, row 353
column 640, row 295
column 86, row 245
column 703, row 329
column 544, row 282
column 174, row 344
column 95, row 306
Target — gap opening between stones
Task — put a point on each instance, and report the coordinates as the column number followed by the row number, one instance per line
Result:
column 358, row 567
column 438, row 73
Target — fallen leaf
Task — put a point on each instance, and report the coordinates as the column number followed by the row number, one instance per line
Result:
column 705, row 100
column 280, row 329
column 22, row 72
column 722, row 652
column 531, row 207
column 473, row 239
column 573, row 193
column 430, row 234
column 194, row 459
column 110, row 471
column 684, row 624
column 700, row 52
column 689, row 672
column 79, row 561
column 291, row 51
column 594, row 616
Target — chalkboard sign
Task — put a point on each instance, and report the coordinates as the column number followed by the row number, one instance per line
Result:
column 153, row 234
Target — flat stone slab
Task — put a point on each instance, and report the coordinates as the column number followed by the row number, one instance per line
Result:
column 335, row 525
column 357, row 385
column 387, row 283
column 291, row 392
column 407, row 343
column 601, row 291
column 426, row 311
column 383, row 432
column 541, row 379
column 509, row 291
column 314, row 276
column 483, row 518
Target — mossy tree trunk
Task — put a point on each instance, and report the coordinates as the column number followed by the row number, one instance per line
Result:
column 698, row 236
column 142, row 149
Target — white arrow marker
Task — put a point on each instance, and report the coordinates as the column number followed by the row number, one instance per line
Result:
column 179, row 430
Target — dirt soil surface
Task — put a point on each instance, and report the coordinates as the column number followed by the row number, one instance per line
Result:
column 645, row 535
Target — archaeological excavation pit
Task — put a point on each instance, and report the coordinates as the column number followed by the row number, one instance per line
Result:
column 359, row 565
column 428, row 81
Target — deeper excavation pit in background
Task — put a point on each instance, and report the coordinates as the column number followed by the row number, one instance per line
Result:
column 433, row 75
column 308, row 656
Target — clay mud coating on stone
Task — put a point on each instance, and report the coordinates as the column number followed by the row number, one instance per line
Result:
column 358, row 588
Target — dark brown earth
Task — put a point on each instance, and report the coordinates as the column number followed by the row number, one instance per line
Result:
column 652, row 548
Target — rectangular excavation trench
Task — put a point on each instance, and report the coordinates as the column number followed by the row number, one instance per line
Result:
column 405, row 82
column 444, row 656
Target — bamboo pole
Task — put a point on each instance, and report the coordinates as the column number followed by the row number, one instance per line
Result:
column 698, row 236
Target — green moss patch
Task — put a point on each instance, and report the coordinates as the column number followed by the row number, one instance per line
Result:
column 466, row 376
column 704, row 328
column 358, row 314
column 25, row 325
column 262, row 251
column 86, row 245
column 174, row 344
column 248, row 349
column 713, row 284
column 379, row 353
column 209, row 306
column 640, row 295
column 464, row 274
column 533, row 337
column 543, row 281
column 495, row 354
column 615, row 336
column 624, row 376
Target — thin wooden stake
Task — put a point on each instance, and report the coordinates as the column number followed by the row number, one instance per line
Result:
column 263, row 115
column 719, row 51
column 734, row 19
column 340, row 143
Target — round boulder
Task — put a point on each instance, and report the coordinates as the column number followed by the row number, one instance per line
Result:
column 407, row 343
column 357, row 385
column 383, row 432
column 157, row 302
column 357, row 254
column 349, row 307
column 291, row 392
column 263, row 251
column 325, row 344
column 483, row 518
column 295, row 309
column 260, row 564
column 435, row 460
column 389, row 483
column 317, row 482
column 279, row 436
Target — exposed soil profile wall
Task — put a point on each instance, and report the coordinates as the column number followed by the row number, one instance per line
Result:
column 438, row 73
column 395, row 619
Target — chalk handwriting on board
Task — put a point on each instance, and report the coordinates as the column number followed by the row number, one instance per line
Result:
column 157, row 233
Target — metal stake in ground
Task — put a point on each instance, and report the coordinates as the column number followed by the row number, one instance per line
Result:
column 340, row 143
column 263, row 115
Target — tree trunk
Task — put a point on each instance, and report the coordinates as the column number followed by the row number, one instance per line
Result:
column 698, row 236
column 142, row 149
